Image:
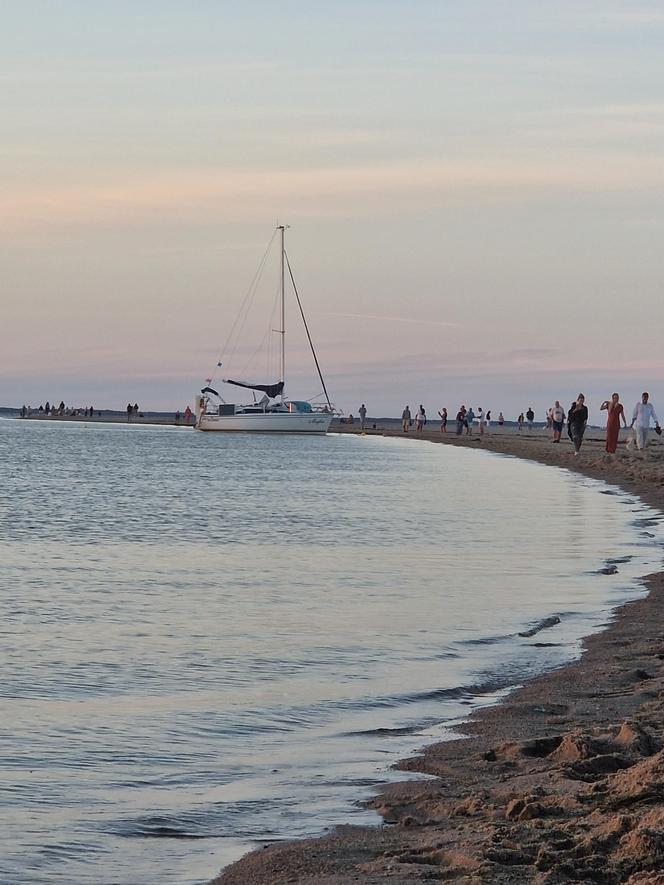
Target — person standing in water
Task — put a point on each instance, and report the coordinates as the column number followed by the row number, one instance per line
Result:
column 615, row 413
column 577, row 419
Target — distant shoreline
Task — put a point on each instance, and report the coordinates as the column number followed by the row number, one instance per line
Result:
column 560, row 782
column 106, row 417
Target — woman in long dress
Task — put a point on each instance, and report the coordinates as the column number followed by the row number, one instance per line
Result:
column 615, row 413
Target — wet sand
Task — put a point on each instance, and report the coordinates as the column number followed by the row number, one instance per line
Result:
column 563, row 782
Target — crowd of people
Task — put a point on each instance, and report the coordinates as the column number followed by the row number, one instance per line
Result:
column 465, row 420
column 576, row 418
column 58, row 411
column 643, row 416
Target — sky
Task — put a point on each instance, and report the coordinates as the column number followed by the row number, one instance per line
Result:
column 474, row 194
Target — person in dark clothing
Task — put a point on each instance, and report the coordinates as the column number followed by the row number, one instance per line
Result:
column 130, row 411
column 577, row 418
column 569, row 426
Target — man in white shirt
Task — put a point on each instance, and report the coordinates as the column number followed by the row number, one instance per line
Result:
column 643, row 412
column 557, row 420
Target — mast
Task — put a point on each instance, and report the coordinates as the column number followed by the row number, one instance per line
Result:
column 282, row 228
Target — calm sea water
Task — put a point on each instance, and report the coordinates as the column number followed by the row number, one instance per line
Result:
column 210, row 642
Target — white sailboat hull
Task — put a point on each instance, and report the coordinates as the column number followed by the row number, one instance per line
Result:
column 267, row 422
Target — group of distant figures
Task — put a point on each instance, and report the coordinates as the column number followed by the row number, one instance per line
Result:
column 57, row 411
column 62, row 411
column 576, row 418
column 465, row 420
column 132, row 412
column 184, row 417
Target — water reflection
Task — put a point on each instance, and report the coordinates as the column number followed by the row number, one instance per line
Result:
column 212, row 641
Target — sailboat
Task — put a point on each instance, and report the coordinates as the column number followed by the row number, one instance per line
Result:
column 274, row 412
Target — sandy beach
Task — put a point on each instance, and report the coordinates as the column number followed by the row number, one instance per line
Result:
column 563, row 782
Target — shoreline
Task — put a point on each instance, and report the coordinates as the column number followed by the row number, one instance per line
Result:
column 562, row 781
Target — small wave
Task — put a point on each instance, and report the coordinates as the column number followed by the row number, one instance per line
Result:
column 647, row 522
column 487, row 640
column 185, row 826
column 384, row 732
column 544, row 624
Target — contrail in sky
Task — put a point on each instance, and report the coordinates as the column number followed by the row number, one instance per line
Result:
column 375, row 316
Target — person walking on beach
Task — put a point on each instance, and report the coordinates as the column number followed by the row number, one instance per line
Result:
column 615, row 413
column 130, row 410
column 461, row 420
column 420, row 419
column 481, row 419
column 363, row 414
column 577, row 419
column 405, row 419
column 443, row 420
column 557, row 420
column 519, row 421
column 470, row 418
column 530, row 415
column 644, row 412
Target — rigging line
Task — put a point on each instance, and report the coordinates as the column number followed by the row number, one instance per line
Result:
column 306, row 329
column 248, row 297
column 244, row 313
column 268, row 331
